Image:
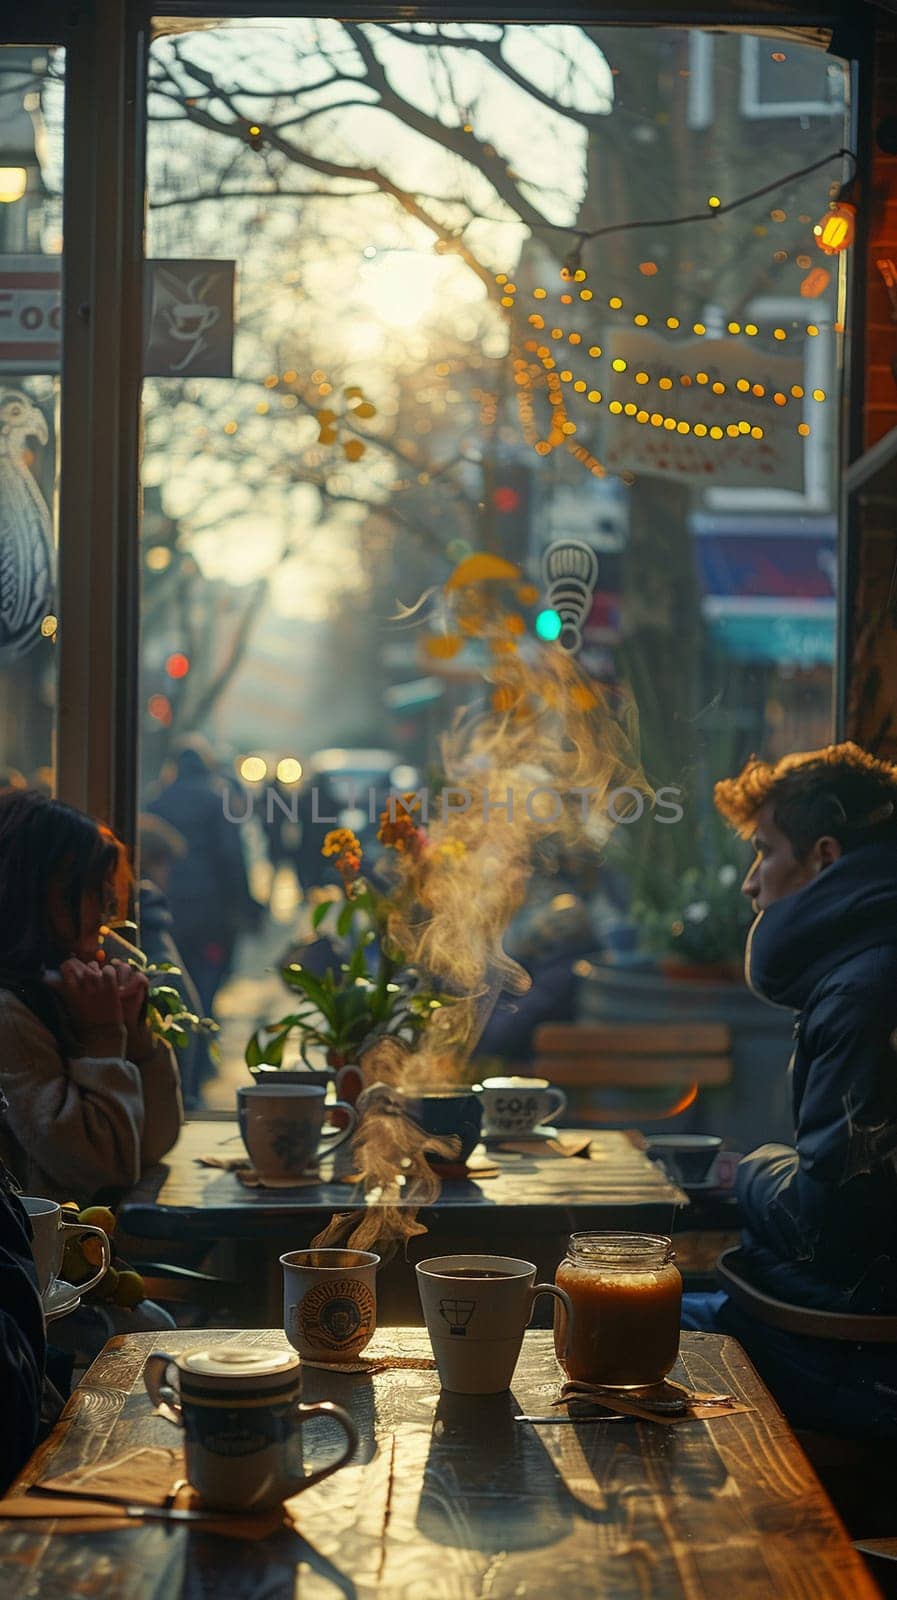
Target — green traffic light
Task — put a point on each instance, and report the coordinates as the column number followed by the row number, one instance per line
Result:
column 548, row 625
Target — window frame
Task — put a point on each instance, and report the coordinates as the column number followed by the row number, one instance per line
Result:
column 107, row 46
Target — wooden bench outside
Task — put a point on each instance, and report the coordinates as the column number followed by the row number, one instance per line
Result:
column 677, row 1059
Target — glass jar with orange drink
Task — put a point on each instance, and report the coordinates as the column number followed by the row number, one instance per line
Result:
column 626, row 1294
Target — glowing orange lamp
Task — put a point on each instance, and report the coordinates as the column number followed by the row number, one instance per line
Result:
column 834, row 232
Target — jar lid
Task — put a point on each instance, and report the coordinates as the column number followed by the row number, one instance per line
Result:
column 240, row 1365
column 623, row 1251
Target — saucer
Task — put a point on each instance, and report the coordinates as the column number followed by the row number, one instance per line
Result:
column 540, row 1133
column 59, row 1299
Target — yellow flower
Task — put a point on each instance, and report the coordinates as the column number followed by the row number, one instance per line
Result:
column 340, row 840
column 450, row 850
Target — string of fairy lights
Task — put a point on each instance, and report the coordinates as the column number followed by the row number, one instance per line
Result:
column 549, row 364
column 548, row 368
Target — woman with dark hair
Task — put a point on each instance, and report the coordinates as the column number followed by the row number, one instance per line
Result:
column 93, row 1096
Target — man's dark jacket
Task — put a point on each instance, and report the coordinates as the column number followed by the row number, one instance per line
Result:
column 821, row 1220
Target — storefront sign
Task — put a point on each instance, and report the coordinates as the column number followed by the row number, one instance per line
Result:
column 189, row 317
column 666, row 431
column 30, row 313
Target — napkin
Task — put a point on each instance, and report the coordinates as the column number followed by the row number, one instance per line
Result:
column 475, row 1168
column 245, row 1172
column 665, row 1402
column 145, row 1477
column 370, row 1364
column 564, row 1144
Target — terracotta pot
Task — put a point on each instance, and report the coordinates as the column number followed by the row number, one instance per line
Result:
column 702, row 971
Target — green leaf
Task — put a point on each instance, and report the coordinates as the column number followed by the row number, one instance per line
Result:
column 320, row 912
column 299, row 977
column 166, row 992
column 345, row 919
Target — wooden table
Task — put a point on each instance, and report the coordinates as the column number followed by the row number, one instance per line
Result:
column 452, row 1499
column 529, row 1209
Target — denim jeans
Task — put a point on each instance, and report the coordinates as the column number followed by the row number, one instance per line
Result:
column 826, row 1384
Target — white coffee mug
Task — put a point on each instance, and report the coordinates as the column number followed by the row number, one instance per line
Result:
column 283, row 1127
column 242, row 1419
column 515, row 1106
column 476, row 1309
column 329, row 1302
column 51, row 1234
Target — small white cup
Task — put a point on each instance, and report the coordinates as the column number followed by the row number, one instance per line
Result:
column 476, row 1309
column 513, row 1107
column 329, row 1302
column 240, row 1412
column 50, row 1236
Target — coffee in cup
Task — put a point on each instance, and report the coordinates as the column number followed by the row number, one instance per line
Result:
column 513, row 1107
column 283, row 1127
column 445, row 1110
column 50, row 1235
column 476, row 1309
column 242, row 1419
column 329, row 1302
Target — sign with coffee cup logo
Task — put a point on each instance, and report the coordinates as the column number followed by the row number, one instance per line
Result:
column 188, row 317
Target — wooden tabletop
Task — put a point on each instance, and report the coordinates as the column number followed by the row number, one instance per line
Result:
column 451, row 1499
column 617, row 1187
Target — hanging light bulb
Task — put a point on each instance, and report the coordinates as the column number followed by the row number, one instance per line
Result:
column 835, row 230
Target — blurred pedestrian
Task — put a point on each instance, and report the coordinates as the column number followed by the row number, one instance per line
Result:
column 208, row 886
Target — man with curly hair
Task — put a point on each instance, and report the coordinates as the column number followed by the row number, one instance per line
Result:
column 821, row 1218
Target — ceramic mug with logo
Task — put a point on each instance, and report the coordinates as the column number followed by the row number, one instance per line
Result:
column 513, row 1107
column 243, row 1423
column 329, row 1302
column 50, row 1235
column 283, row 1127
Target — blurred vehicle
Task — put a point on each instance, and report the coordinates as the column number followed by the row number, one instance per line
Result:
column 360, row 783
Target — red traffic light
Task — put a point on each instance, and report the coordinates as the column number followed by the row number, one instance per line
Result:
column 505, row 498
column 177, row 665
column 159, row 708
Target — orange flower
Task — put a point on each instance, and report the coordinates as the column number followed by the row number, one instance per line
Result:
column 345, row 845
column 398, row 828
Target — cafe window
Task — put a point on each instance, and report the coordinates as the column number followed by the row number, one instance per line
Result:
column 32, row 86
column 417, row 292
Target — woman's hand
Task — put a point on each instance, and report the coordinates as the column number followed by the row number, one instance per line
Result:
column 91, row 996
column 133, row 989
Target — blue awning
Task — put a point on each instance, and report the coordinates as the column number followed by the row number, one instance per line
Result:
column 798, row 640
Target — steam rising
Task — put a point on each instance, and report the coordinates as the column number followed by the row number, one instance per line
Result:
column 539, row 765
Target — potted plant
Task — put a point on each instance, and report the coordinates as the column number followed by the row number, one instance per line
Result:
column 369, row 994
column 697, row 930
column 167, row 1014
